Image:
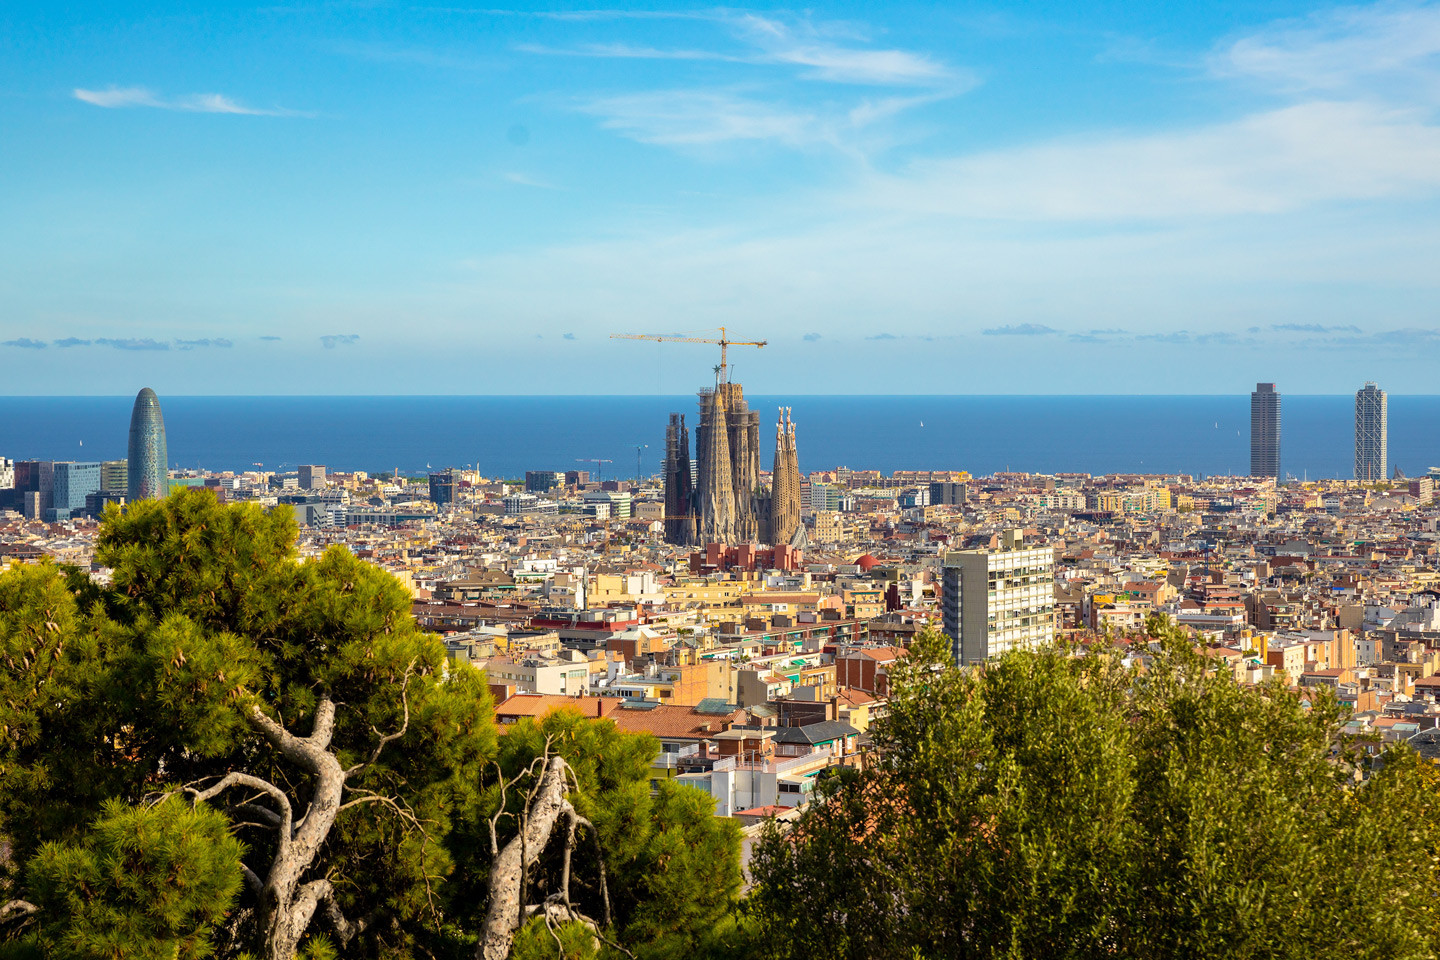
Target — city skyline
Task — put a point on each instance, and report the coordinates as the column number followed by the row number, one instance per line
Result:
column 316, row 200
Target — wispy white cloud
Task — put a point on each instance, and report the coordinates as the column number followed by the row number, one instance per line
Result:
column 1265, row 163
column 804, row 44
column 579, row 15
column 132, row 343
column 525, row 180
column 691, row 118
column 1019, row 330
column 120, row 97
column 1344, row 48
column 627, row 51
column 331, row 341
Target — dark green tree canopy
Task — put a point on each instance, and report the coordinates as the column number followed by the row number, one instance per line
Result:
column 1143, row 805
column 216, row 652
column 231, row 747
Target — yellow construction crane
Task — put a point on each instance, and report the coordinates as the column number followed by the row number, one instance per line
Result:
column 723, row 340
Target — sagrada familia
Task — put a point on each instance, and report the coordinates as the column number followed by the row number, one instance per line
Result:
column 725, row 502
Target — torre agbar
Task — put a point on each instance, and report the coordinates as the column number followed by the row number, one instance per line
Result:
column 723, row 500
column 147, row 477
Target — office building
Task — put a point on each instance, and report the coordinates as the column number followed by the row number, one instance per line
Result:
column 525, row 504
column 115, row 475
column 577, row 478
column 1265, row 431
column 34, row 485
column 825, row 498
column 917, row 497
column 1371, row 434
column 95, row 503
column 995, row 601
column 312, row 476
column 7, row 473
column 944, row 494
column 543, row 481
column 618, row 504
column 147, row 477
column 442, row 488
column 72, row 483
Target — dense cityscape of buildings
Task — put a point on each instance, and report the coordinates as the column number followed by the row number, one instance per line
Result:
column 748, row 618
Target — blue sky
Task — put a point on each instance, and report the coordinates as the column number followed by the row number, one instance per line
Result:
column 901, row 198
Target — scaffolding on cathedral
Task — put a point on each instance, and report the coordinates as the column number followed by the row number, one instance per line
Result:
column 726, row 502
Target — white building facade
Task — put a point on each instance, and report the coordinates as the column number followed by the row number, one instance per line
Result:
column 996, row 601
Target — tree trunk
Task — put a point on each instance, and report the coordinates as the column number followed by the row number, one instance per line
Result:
column 512, row 866
column 286, row 905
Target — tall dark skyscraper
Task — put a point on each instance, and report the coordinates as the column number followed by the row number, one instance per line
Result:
column 147, row 474
column 1265, row 431
column 442, row 488
column 1372, row 427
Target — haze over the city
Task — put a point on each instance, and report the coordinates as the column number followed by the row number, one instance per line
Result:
column 971, row 198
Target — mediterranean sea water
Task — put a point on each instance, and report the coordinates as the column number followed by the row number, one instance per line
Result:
column 508, row 435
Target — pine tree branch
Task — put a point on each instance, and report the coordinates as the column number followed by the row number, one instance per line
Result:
column 252, row 879
column 270, row 819
column 345, row 930
column 388, row 739
column 285, row 827
column 401, row 809
column 16, row 910
column 305, row 752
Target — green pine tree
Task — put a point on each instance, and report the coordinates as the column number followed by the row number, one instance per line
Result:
column 1150, row 807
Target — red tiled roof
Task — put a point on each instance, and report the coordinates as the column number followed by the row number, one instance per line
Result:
column 668, row 721
column 882, row 654
column 539, row 704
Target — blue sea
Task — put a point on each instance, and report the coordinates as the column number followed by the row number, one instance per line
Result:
column 508, row 435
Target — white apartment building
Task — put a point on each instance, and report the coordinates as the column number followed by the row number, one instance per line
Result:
column 564, row 675
column 996, row 601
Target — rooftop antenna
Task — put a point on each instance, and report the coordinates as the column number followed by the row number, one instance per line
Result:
column 599, row 470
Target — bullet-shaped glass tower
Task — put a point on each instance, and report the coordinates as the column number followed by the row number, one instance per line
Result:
column 148, row 478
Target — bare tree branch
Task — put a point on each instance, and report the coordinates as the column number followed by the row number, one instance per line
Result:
column 285, row 827
column 16, row 909
column 268, row 817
